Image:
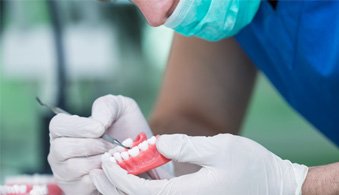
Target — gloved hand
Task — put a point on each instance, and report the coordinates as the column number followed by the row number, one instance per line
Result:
column 76, row 146
column 230, row 165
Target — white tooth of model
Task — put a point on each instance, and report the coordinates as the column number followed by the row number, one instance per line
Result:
column 134, row 151
column 143, row 146
column 152, row 140
column 117, row 156
column 128, row 142
column 124, row 155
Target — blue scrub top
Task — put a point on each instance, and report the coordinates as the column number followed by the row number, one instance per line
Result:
column 296, row 46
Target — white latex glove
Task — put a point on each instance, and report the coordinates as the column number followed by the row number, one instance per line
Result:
column 230, row 165
column 76, row 146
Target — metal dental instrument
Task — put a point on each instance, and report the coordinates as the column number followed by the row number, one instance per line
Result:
column 57, row 110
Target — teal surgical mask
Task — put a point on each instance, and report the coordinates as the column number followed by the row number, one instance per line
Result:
column 212, row 19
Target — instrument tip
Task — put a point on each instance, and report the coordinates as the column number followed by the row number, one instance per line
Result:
column 39, row 101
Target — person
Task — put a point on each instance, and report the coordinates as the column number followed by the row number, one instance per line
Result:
column 208, row 83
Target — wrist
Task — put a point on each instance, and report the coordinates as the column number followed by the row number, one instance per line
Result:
column 322, row 180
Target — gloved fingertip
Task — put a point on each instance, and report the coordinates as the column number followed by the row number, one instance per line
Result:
column 101, row 110
column 107, row 158
column 161, row 144
column 63, row 125
column 167, row 145
column 55, row 121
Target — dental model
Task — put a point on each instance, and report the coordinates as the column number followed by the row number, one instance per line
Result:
column 30, row 185
column 142, row 157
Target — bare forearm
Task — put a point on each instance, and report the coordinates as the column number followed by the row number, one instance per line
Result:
column 322, row 180
column 206, row 88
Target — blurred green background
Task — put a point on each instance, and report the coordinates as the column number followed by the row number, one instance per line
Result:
column 110, row 50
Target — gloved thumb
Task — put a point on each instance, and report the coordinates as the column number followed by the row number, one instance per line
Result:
column 182, row 148
column 101, row 182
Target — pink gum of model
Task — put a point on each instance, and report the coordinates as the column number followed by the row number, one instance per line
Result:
column 145, row 160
